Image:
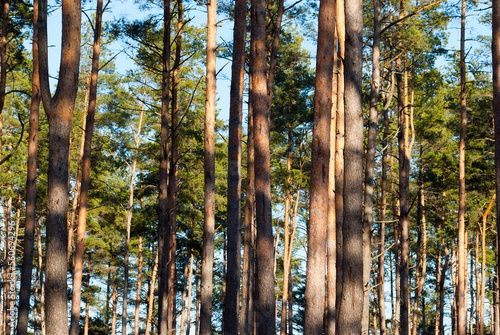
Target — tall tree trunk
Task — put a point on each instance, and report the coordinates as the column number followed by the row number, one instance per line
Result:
column 495, row 47
column 462, row 242
column 149, row 317
column 29, row 229
column 9, row 272
column 247, row 291
column 59, row 110
column 351, row 304
column 138, row 295
column 231, row 303
column 370, row 166
column 274, row 51
column 339, row 152
column 108, row 298
column 87, row 304
column 331, row 230
column 198, row 294
column 320, row 160
column 163, row 214
column 184, row 293
column 42, row 281
column 85, row 184
column 264, row 242
column 383, row 215
column 209, row 225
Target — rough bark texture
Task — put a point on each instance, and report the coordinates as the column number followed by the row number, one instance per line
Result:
column 149, row 316
column 29, row 230
column 248, row 284
column 59, row 110
column 138, row 291
column 264, row 242
column 209, row 225
column 163, row 215
column 339, row 151
column 85, row 184
column 320, row 161
column 351, row 304
column 462, row 242
column 231, row 303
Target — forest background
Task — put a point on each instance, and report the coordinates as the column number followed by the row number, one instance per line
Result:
column 120, row 257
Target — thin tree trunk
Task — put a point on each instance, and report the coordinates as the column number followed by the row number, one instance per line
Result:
column 108, row 298
column 370, row 166
column 85, row 184
column 495, row 47
column 115, row 307
column 42, row 281
column 351, row 305
column 209, row 189
column 189, row 297
column 198, row 295
column 422, row 246
column 87, row 304
column 462, row 242
column 231, row 303
column 184, row 293
column 264, row 242
column 274, row 51
column 149, row 317
column 138, row 296
column 163, row 214
column 320, row 160
column 247, row 310
column 29, row 229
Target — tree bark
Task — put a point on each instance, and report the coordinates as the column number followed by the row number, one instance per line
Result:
column 59, row 110
column 231, row 303
column 149, row 317
column 164, row 229
column 320, row 160
column 462, row 242
column 189, row 298
column 495, row 47
column 248, row 284
column 351, row 304
column 209, row 225
column 85, row 183
column 138, row 296
column 115, row 307
column 29, row 229
column 264, row 242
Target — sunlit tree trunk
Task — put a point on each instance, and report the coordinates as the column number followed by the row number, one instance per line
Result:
column 320, row 160
column 189, row 298
column 85, row 182
column 87, row 304
column 231, row 303
column 264, row 243
column 59, row 110
column 209, row 223
column 29, row 228
column 495, row 47
column 115, row 306
column 149, row 316
column 351, row 304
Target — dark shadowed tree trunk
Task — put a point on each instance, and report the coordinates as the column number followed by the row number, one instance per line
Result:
column 85, row 184
column 29, row 230
column 351, row 304
column 59, row 110
column 320, row 160
column 231, row 303
column 163, row 215
column 264, row 243
column 209, row 225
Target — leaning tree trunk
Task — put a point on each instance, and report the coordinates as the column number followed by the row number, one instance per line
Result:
column 59, row 110
column 231, row 303
column 29, row 230
column 320, row 161
column 85, row 184
column 209, row 225
column 495, row 47
column 351, row 304
column 462, row 242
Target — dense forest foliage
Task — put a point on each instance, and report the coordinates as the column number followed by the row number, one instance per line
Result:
column 249, row 167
